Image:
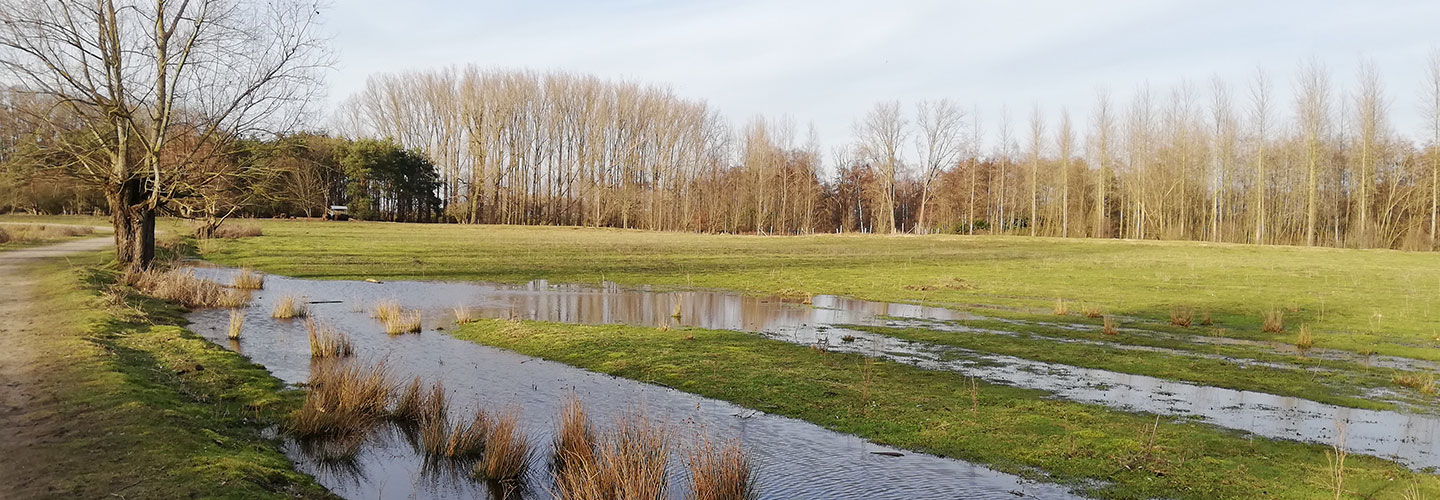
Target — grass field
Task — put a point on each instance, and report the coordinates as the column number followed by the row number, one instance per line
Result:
column 1379, row 301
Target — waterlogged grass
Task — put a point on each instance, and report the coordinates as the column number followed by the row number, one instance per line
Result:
column 148, row 409
column 1337, row 383
column 1012, row 430
column 1379, row 301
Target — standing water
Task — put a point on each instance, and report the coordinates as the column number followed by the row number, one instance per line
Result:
column 792, row 458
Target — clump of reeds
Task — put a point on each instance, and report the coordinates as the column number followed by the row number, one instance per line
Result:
column 1061, row 307
column 1304, row 340
column 676, row 312
column 406, row 322
column 289, row 307
column 721, row 472
column 574, row 439
column 248, row 279
column 386, row 310
column 343, row 399
column 463, row 315
column 507, row 454
column 233, row 231
column 326, row 341
column 237, row 322
column 1181, row 316
column 467, row 439
column 626, row 462
column 1110, row 327
column 1091, row 310
column 1274, row 321
column 182, row 287
column 1425, row 383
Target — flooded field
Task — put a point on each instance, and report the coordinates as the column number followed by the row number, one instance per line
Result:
column 795, row 459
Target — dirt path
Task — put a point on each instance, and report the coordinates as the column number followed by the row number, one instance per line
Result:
column 26, row 395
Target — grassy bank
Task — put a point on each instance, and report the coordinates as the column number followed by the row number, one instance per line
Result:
column 1010, row 429
column 142, row 407
column 1360, row 300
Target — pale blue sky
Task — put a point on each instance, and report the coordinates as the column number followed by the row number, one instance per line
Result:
column 828, row 61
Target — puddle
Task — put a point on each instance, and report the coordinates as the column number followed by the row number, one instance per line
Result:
column 1407, row 438
column 793, row 459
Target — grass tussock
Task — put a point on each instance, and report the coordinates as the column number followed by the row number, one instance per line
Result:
column 1091, row 310
column 1061, row 308
column 1304, row 340
column 327, row 341
column 386, row 310
column 182, row 287
column 467, row 439
column 418, row 403
column 344, row 399
column 721, row 472
column 234, row 231
column 237, row 323
column 463, row 315
column 248, row 279
column 507, row 454
column 574, row 441
column 1274, row 321
column 289, row 307
column 1110, row 326
column 623, row 463
column 1425, row 383
column 406, row 322
column 1182, row 316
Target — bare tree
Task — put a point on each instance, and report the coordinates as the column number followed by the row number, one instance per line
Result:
column 1370, row 117
column 1066, row 144
column 940, row 141
column 139, row 74
column 1037, row 147
column 1260, row 119
column 880, row 135
column 1432, row 114
column 1104, row 139
column 1313, row 110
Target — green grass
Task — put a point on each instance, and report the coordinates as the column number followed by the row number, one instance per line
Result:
column 1359, row 300
column 1014, row 430
column 148, row 409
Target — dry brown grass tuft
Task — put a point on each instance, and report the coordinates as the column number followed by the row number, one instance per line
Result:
column 463, row 315
column 289, row 307
column 248, row 279
column 467, row 439
column 626, row 462
column 1425, row 383
column 1110, row 327
column 417, row 404
column 1061, row 307
column 327, row 342
column 1205, row 319
column 386, row 310
column 721, row 472
column 343, row 399
column 1274, row 321
column 1181, row 316
column 575, row 438
column 237, row 322
column 406, row 322
column 233, row 231
column 1304, row 340
column 182, row 287
column 507, row 454
column 1091, row 310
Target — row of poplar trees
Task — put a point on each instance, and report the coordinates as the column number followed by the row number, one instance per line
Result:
column 1268, row 160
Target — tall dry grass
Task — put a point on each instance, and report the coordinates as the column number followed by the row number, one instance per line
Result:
column 182, row 287
column 233, row 231
column 1274, row 321
column 1182, row 316
column 467, row 439
column 326, row 341
column 463, row 315
column 507, row 454
column 247, row 279
column 1061, row 308
column 1110, row 327
column 1304, row 340
column 237, row 323
column 1425, row 383
column 289, row 306
column 627, row 462
column 396, row 319
column 721, row 472
column 343, row 399
column 574, row 439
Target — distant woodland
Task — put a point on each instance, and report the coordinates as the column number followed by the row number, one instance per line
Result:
column 1214, row 161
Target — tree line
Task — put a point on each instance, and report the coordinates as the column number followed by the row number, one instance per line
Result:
column 1215, row 162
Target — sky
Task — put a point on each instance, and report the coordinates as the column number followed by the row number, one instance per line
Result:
column 826, row 62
